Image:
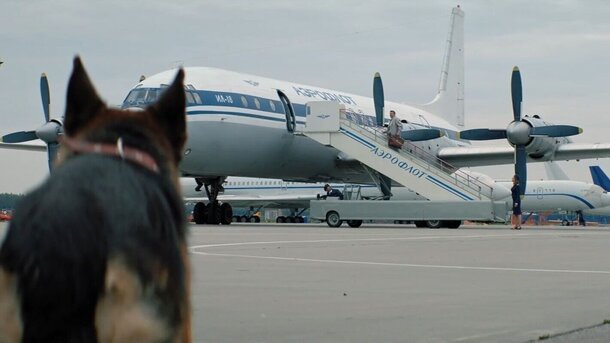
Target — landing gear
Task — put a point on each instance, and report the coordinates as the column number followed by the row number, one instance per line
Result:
column 246, row 219
column 214, row 212
column 290, row 219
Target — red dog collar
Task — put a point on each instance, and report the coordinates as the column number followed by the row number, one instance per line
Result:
column 126, row 153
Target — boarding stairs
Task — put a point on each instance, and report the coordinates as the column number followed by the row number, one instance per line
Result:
column 329, row 124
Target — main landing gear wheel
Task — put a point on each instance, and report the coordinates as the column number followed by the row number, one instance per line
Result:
column 333, row 219
column 213, row 213
column 226, row 214
column 200, row 213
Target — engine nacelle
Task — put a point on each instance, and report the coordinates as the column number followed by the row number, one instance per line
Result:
column 539, row 147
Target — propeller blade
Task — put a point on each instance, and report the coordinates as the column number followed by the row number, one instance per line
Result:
column 378, row 98
column 421, row 134
column 482, row 134
column 45, row 96
column 52, row 154
column 521, row 166
column 516, row 93
column 19, row 137
column 555, row 131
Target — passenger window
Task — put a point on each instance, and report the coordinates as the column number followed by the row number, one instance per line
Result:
column 272, row 105
column 244, row 101
column 257, row 103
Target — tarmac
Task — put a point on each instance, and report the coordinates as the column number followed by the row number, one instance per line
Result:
column 397, row 283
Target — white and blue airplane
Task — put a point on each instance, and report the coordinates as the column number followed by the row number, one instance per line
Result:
column 243, row 125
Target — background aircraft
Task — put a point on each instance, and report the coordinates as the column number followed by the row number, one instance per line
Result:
column 540, row 195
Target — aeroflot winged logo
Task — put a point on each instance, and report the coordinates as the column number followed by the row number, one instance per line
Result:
column 253, row 83
column 323, row 116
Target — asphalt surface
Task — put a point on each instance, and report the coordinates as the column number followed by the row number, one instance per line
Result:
column 386, row 283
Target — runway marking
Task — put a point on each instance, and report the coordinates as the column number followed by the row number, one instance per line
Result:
column 391, row 264
column 508, row 235
column 194, row 250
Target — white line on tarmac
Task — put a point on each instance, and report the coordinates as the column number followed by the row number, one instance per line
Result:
column 437, row 266
column 508, row 235
column 194, row 250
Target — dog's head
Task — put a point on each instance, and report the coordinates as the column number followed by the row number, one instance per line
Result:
column 159, row 130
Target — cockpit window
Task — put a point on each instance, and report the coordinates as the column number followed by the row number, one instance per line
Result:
column 141, row 97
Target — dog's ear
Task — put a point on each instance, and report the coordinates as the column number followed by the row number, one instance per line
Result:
column 170, row 112
column 82, row 101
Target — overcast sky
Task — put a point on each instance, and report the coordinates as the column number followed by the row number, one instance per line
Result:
column 561, row 47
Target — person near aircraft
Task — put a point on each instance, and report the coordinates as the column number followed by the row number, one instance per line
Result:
column 331, row 192
column 516, row 194
column 581, row 218
column 394, row 128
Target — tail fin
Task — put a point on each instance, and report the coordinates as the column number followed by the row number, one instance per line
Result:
column 554, row 172
column 600, row 178
column 449, row 101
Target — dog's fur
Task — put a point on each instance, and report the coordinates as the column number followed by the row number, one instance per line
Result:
column 98, row 252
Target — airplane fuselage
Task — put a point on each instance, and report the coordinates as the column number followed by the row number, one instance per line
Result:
column 238, row 125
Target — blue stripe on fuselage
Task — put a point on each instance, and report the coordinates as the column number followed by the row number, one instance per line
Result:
column 239, row 101
column 584, row 201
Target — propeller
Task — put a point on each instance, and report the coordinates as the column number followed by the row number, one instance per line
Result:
column 49, row 132
column 409, row 135
column 378, row 99
column 519, row 132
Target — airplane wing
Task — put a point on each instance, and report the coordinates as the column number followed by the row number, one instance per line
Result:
column 484, row 156
column 27, row 147
column 275, row 201
column 574, row 151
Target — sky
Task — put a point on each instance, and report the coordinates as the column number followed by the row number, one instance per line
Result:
column 562, row 48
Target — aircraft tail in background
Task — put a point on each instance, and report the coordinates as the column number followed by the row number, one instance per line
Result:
column 599, row 177
column 449, row 101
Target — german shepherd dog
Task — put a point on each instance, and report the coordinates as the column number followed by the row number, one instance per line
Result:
column 98, row 252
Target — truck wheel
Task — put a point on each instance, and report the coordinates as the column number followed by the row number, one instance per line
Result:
column 354, row 223
column 333, row 219
column 434, row 224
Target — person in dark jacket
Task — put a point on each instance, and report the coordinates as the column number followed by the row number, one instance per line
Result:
column 330, row 192
column 516, row 194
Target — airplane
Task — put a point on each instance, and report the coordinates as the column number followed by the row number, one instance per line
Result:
column 245, row 125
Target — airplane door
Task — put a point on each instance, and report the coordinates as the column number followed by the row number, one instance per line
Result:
column 288, row 110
